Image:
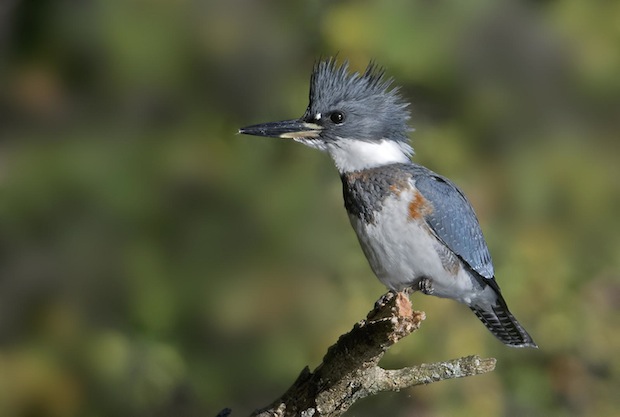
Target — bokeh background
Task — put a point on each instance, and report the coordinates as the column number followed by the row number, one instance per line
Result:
column 155, row 263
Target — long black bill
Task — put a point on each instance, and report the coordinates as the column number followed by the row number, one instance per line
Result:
column 287, row 129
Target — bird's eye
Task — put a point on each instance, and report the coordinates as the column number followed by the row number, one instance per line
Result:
column 337, row 117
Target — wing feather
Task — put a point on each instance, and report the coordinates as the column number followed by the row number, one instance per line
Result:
column 454, row 221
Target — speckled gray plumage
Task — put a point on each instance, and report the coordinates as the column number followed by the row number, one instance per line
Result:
column 364, row 191
column 452, row 219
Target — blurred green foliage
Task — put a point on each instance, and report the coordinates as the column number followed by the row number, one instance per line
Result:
column 154, row 263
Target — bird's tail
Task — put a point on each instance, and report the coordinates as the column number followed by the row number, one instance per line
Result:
column 500, row 321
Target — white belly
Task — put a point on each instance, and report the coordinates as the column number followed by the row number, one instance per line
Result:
column 402, row 251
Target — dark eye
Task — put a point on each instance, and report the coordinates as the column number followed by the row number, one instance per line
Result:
column 337, row 117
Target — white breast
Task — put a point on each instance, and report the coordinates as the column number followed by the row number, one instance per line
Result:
column 402, row 250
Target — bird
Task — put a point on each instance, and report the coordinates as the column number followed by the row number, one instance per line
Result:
column 416, row 228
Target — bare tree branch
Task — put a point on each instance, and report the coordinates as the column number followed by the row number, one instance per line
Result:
column 350, row 368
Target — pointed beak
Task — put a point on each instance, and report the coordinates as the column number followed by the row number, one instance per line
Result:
column 287, row 129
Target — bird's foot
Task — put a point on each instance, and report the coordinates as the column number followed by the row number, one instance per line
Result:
column 426, row 286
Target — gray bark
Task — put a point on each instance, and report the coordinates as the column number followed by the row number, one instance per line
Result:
column 350, row 369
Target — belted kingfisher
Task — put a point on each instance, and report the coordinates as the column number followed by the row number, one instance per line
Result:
column 416, row 228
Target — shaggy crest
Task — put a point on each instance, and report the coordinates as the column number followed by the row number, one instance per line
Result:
column 332, row 87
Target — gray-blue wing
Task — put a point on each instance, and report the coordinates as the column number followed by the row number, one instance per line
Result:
column 453, row 220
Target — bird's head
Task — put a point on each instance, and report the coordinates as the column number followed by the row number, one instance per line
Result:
column 357, row 118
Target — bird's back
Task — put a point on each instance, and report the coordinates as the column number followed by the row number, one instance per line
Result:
column 418, row 231
column 391, row 218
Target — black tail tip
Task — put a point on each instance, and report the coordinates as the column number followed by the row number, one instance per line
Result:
column 504, row 326
column 525, row 344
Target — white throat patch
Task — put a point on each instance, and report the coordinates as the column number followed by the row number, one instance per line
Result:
column 354, row 155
